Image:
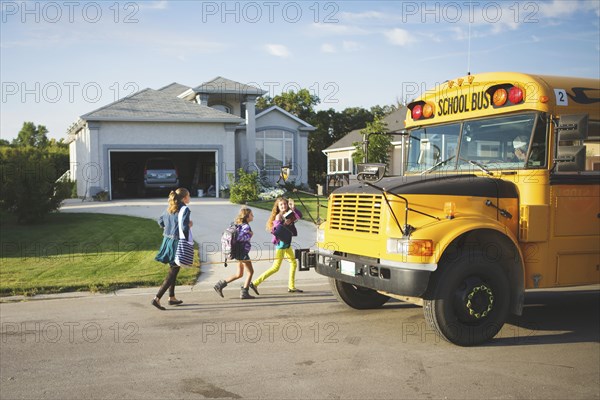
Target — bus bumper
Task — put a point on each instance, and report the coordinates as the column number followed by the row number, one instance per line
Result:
column 403, row 279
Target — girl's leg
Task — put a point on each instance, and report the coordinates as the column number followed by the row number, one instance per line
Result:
column 273, row 269
column 168, row 282
column 238, row 275
column 250, row 271
column 289, row 254
column 173, row 280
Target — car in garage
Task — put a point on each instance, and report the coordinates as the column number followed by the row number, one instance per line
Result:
column 160, row 173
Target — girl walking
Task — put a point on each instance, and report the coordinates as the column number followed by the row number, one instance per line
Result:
column 242, row 248
column 282, row 220
column 169, row 221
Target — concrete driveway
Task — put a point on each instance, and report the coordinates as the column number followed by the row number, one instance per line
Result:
column 211, row 217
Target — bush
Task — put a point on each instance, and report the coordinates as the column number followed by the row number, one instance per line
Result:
column 245, row 188
column 28, row 187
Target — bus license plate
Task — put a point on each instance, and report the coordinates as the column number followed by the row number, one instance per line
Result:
column 348, row 268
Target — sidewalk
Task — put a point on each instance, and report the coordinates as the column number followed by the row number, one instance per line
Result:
column 211, row 217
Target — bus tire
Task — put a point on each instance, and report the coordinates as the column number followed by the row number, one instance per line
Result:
column 468, row 300
column 356, row 297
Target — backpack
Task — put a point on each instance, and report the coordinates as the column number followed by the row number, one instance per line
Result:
column 229, row 242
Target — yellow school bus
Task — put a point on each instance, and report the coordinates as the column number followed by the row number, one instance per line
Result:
column 500, row 193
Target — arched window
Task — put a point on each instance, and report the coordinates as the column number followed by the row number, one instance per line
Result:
column 222, row 107
column 274, row 149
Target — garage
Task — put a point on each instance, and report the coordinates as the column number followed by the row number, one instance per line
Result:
column 195, row 170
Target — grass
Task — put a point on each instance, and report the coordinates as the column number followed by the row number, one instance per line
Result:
column 309, row 208
column 81, row 252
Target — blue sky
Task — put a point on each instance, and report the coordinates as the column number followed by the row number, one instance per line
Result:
column 62, row 59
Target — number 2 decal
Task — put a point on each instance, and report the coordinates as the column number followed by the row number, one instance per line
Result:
column 561, row 97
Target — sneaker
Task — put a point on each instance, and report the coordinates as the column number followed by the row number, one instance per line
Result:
column 254, row 289
column 295, row 290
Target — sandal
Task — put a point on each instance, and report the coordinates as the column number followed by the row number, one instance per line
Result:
column 295, row 290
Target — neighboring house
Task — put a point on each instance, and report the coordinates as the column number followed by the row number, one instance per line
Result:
column 341, row 168
column 208, row 131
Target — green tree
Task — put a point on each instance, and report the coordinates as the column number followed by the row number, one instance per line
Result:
column 301, row 103
column 33, row 136
column 379, row 144
column 28, row 187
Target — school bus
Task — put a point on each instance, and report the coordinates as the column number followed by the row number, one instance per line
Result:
column 500, row 193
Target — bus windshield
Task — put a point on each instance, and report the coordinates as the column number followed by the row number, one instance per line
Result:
column 507, row 142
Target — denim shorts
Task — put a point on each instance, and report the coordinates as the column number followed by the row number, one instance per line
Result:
column 243, row 257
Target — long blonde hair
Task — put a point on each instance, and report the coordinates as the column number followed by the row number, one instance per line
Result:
column 242, row 217
column 176, row 198
column 274, row 212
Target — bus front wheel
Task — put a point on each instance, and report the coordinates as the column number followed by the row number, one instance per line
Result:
column 356, row 296
column 467, row 301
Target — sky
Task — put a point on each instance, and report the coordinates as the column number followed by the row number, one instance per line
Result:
column 62, row 59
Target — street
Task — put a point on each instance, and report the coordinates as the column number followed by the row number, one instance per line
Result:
column 289, row 346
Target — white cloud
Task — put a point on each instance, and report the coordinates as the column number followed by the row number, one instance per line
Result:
column 337, row 29
column 399, row 37
column 277, row 50
column 347, row 16
column 350, row 45
column 327, row 48
column 154, row 5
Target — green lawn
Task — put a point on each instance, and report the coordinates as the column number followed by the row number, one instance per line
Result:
column 73, row 252
column 310, row 205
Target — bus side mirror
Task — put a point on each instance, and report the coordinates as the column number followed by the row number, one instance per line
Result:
column 570, row 159
column 570, row 156
column 572, row 127
column 370, row 172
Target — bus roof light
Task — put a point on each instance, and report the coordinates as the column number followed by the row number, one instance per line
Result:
column 428, row 110
column 516, row 95
column 500, row 97
column 417, row 112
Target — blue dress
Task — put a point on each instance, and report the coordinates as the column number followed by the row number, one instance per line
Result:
column 170, row 224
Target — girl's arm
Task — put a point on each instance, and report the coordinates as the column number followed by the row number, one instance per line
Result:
column 245, row 233
column 297, row 213
column 186, row 222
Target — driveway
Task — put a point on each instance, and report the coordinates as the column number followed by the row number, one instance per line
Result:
column 211, row 217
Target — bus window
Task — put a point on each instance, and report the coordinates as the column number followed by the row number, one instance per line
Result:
column 432, row 145
column 502, row 142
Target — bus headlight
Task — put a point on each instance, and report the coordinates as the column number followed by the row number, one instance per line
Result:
column 320, row 236
column 410, row 247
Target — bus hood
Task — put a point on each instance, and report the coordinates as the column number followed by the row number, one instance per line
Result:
column 447, row 185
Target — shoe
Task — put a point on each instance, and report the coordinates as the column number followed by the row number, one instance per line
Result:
column 157, row 304
column 254, row 288
column 295, row 290
column 220, row 286
column 245, row 295
column 175, row 302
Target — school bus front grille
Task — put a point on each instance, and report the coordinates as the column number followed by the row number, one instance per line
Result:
column 355, row 213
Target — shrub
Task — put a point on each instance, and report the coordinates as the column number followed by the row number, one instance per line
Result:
column 245, row 188
column 28, row 187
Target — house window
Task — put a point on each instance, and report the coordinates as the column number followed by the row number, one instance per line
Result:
column 222, row 107
column 274, row 149
column 339, row 165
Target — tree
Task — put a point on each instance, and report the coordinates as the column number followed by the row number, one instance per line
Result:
column 379, row 144
column 33, row 136
column 28, row 188
column 301, row 104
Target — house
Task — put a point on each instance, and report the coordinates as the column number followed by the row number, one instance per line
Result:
column 341, row 168
column 208, row 131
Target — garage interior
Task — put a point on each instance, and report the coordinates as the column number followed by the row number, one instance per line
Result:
column 196, row 171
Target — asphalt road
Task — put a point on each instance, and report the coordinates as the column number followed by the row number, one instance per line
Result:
column 286, row 346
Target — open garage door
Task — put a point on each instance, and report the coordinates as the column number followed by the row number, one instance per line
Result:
column 195, row 170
